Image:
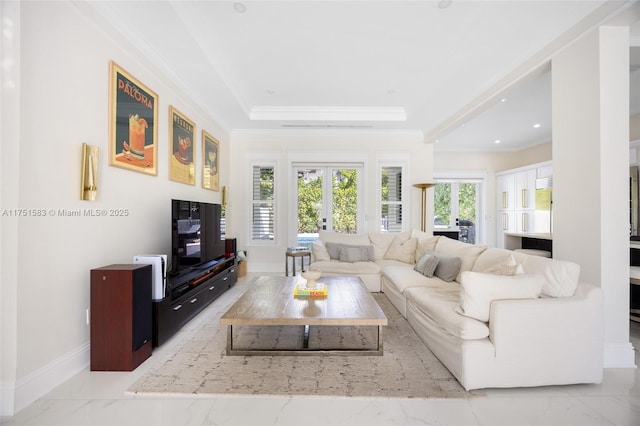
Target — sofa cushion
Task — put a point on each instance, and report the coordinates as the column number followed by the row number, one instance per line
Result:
column 424, row 242
column 478, row 290
column 380, row 243
column 339, row 237
column 346, row 268
column 427, row 264
column 440, row 305
column 355, row 253
column 319, row 251
column 402, row 250
column 468, row 253
column 561, row 276
column 360, row 253
column 404, row 277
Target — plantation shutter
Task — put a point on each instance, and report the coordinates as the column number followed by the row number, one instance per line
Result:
column 391, row 199
column 263, row 200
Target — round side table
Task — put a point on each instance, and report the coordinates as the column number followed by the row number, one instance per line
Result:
column 293, row 254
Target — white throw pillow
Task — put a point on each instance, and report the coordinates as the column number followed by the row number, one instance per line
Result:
column 508, row 266
column 319, row 251
column 402, row 250
column 478, row 290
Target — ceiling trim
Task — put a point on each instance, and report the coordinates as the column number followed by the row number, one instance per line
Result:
column 319, row 113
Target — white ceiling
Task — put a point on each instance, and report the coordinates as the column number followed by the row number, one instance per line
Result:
column 406, row 66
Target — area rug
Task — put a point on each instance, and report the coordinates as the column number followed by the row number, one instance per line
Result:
column 201, row 367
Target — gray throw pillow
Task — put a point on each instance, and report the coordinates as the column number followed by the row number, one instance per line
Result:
column 334, row 251
column 448, row 267
column 354, row 254
column 427, row 264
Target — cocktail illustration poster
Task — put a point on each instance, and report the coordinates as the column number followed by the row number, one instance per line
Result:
column 182, row 136
column 210, row 162
column 133, row 123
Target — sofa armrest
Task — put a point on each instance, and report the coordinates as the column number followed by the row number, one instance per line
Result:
column 555, row 329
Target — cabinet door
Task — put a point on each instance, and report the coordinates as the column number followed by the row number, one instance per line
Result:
column 524, row 221
column 525, row 190
column 506, row 224
column 505, row 192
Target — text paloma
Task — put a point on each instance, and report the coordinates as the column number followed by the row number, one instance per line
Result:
column 134, row 92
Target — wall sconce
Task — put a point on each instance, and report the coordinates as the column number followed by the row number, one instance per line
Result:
column 423, row 204
column 224, row 196
column 89, row 178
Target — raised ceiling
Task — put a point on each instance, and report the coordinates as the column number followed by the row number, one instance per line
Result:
column 406, row 66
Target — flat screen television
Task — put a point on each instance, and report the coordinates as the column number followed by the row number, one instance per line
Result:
column 196, row 235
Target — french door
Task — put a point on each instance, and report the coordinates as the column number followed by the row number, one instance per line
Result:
column 457, row 204
column 327, row 198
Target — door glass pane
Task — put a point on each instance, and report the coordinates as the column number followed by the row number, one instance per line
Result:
column 467, row 196
column 442, row 204
column 309, row 205
column 345, row 200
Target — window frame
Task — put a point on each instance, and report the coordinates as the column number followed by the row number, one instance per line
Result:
column 404, row 195
column 251, row 202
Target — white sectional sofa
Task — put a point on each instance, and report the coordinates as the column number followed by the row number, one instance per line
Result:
column 494, row 317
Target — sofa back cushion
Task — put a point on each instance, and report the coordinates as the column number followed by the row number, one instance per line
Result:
column 468, row 253
column 380, row 242
column 319, row 252
column 350, row 239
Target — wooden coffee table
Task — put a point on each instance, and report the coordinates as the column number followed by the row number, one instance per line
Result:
column 270, row 301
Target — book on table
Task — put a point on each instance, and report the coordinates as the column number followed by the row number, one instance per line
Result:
column 320, row 290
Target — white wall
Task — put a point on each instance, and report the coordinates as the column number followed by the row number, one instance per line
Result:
column 283, row 148
column 63, row 100
column 590, row 91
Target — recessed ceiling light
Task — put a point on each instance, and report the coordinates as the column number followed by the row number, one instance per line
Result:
column 503, row 100
column 443, row 4
column 496, row 141
column 239, row 7
column 537, row 125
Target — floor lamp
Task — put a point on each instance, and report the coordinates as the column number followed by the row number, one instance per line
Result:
column 423, row 204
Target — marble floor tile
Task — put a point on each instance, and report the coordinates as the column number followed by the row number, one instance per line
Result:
column 99, row 398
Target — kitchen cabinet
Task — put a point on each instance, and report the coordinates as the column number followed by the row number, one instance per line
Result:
column 516, row 200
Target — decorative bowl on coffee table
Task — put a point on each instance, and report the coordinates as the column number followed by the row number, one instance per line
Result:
column 311, row 277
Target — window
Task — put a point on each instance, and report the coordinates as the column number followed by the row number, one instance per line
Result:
column 391, row 199
column 263, row 203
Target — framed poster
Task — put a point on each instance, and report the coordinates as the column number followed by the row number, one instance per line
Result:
column 133, row 123
column 182, row 136
column 210, row 162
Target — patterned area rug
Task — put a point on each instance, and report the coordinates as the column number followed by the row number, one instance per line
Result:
column 200, row 366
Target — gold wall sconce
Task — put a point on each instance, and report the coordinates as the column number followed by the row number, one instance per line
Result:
column 224, row 196
column 423, row 204
column 89, row 178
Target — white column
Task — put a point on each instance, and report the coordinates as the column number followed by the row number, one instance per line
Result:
column 590, row 92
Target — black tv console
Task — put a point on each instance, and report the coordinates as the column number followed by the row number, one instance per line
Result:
column 190, row 293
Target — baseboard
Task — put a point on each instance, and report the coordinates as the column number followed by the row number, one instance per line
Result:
column 35, row 385
column 619, row 355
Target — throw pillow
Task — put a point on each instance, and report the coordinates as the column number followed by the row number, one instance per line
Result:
column 478, row 290
column 402, row 250
column 354, row 254
column 508, row 266
column 426, row 265
column 448, row 267
column 319, row 251
column 334, row 250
